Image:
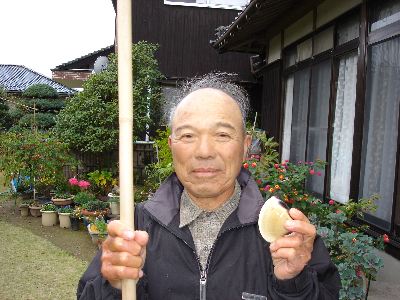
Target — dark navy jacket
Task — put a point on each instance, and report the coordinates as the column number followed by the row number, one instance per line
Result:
column 239, row 267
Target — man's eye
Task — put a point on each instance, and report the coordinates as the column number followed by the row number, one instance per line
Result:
column 186, row 137
column 223, row 136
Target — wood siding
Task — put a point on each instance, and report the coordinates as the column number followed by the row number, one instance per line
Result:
column 183, row 34
column 271, row 100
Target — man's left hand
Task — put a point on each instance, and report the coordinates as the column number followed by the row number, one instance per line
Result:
column 291, row 253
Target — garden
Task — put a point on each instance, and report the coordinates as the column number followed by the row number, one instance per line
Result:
column 55, row 207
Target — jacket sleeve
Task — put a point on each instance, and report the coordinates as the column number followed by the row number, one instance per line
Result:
column 93, row 286
column 319, row 280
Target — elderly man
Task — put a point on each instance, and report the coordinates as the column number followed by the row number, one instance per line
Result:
column 199, row 237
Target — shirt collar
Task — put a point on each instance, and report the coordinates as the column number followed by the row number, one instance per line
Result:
column 189, row 211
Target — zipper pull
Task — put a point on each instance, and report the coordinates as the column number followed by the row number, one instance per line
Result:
column 203, row 282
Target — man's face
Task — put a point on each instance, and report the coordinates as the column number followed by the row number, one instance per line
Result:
column 208, row 143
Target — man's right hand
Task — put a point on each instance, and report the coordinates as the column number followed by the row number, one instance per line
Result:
column 124, row 253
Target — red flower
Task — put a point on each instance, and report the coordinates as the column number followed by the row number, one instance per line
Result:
column 253, row 164
column 354, row 231
column 276, row 166
column 246, row 165
column 312, row 172
column 386, row 238
column 286, row 161
column 259, row 181
column 319, row 173
column 338, row 211
column 331, row 202
column 267, row 187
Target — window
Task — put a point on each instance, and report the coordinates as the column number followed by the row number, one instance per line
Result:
column 381, row 116
column 384, row 14
column 306, row 118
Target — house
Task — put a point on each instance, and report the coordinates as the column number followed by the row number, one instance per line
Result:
column 182, row 29
column 330, row 74
column 75, row 72
column 16, row 79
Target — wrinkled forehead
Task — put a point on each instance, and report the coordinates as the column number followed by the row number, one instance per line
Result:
column 208, row 103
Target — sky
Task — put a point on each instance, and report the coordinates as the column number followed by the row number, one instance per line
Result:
column 42, row 34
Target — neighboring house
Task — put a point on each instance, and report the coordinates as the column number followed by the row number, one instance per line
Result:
column 16, row 79
column 74, row 73
column 331, row 90
column 183, row 30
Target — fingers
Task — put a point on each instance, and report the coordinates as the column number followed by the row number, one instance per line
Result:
column 124, row 253
column 302, row 225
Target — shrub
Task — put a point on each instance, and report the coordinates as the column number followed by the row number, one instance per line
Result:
column 352, row 251
column 96, row 205
column 37, row 156
column 83, row 198
column 49, row 207
column 89, row 122
column 102, row 181
column 44, row 121
column 66, row 210
column 45, row 105
column 40, row 91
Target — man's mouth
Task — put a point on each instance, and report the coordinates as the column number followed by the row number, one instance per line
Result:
column 205, row 172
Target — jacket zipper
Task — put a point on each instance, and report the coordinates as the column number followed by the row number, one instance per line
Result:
column 203, row 273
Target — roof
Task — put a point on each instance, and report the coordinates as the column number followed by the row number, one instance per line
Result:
column 259, row 21
column 85, row 62
column 16, row 79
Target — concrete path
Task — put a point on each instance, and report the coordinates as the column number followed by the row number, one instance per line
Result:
column 387, row 285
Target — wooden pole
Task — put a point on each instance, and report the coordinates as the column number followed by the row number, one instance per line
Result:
column 125, row 94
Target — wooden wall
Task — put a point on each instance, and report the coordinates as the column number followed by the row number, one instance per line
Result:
column 183, row 34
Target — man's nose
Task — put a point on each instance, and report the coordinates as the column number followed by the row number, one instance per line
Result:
column 205, row 148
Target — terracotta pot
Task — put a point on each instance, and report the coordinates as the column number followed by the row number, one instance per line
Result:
column 65, row 220
column 62, row 202
column 87, row 213
column 35, row 211
column 49, row 218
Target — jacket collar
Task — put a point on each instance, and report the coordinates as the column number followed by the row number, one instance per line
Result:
column 164, row 206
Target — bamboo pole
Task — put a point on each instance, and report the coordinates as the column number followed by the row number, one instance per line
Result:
column 125, row 92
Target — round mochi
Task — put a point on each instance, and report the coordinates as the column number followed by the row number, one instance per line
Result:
column 272, row 218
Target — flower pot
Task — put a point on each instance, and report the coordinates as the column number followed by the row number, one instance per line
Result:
column 35, row 211
column 87, row 213
column 65, row 221
column 96, row 238
column 49, row 218
column 62, row 202
column 114, row 208
column 74, row 224
column 24, row 210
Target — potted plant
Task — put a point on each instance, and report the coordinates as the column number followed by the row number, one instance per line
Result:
column 24, row 208
column 98, row 230
column 62, row 198
column 35, row 208
column 83, row 197
column 75, row 218
column 64, row 214
column 49, row 214
column 95, row 208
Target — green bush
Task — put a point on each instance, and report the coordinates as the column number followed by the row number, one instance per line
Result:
column 352, row 251
column 5, row 118
column 89, row 122
column 45, row 105
column 83, row 198
column 44, row 121
column 40, row 91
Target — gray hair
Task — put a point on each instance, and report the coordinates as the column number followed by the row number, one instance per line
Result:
column 218, row 81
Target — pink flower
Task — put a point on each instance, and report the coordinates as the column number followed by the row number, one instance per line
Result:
column 83, row 184
column 331, row 202
column 73, row 181
column 386, row 238
column 319, row 173
column 276, row 166
column 267, row 187
column 286, row 161
column 259, row 181
column 312, row 172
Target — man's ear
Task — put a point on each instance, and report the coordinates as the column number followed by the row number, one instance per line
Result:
column 169, row 142
column 247, row 143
